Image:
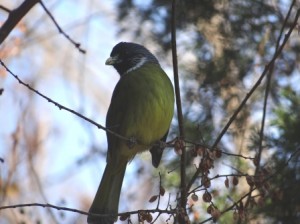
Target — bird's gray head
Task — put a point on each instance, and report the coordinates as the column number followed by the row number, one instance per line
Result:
column 126, row 57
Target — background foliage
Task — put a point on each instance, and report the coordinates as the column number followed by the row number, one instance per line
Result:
column 223, row 46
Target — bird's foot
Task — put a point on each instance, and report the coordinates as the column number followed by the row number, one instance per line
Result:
column 161, row 145
column 132, row 141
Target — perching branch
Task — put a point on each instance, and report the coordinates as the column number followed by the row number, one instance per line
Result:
column 44, row 206
column 61, row 107
column 160, row 211
column 60, row 208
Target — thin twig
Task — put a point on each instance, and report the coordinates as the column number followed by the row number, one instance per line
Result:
column 5, row 9
column 60, row 30
column 47, row 205
column 130, row 141
column 269, row 78
column 159, row 190
column 17, row 14
column 61, row 107
column 61, row 208
column 266, row 70
column 237, row 155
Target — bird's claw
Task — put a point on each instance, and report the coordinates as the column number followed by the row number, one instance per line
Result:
column 161, row 145
column 132, row 141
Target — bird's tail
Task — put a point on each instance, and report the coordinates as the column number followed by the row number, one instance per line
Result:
column 107, row 197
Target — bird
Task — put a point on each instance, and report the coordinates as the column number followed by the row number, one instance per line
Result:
column 140, row 111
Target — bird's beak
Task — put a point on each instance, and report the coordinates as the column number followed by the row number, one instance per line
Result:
column 111, row 60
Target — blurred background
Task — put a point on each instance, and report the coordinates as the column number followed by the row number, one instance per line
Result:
column 52, row 156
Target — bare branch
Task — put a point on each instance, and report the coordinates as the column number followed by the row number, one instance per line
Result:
column 61, row 107
column 15, row 17
column 61, row 208
column 5, row 9
column 17, row 14
column 60, row 30
column 44, row 206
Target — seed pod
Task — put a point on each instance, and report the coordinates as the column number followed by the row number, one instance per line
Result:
column 215, row 214
column 148, row 217
column 255, row 160
column 142, row 216
column 261, row 201
column 124, row 217
column 209, row 209
column 200, row 150
column 235, row 216
column 153, row 198
column 162, row 191
column 178, row 146
column 218, row 153
column 258, row 181
column 194, row 151
column 206, row 197
column 235, row 181
column 249, row 180
column 226, row 183
column 209, row 163
column 194, row 197
column 205, row 181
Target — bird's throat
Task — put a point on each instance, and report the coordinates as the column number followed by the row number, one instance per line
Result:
column 138, row 65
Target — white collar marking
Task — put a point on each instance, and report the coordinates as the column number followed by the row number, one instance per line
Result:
column 138, row 65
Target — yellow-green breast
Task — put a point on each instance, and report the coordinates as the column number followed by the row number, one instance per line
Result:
column 142, row 107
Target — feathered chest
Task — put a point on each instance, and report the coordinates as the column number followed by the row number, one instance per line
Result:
column 142, row 104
